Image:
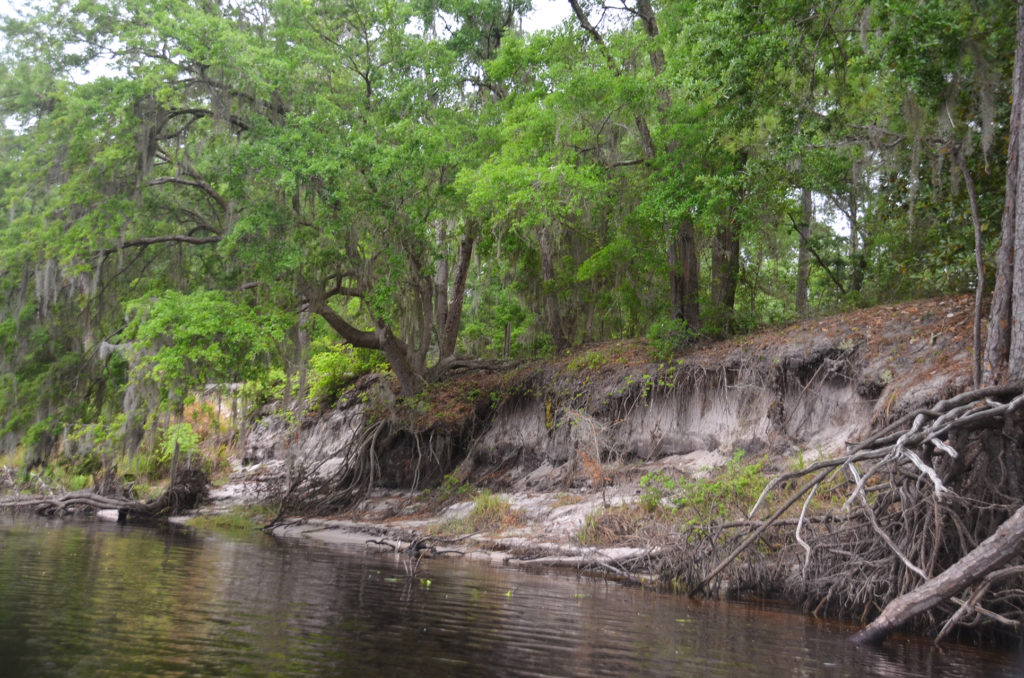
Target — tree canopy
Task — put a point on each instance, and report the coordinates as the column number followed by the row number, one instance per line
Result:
column 204, row 191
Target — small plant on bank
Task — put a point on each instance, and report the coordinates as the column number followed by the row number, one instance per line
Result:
column 619, row 525
column 669, row 336
column 591, row 360
column 490, row 512
column 732, row 492
column 566, row 499
column 245, row 518
column 451, row 490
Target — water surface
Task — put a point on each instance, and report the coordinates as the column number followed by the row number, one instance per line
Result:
column 98, row 599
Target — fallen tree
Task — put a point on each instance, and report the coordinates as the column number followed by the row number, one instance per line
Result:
column 930, row 507
column 1002, row 546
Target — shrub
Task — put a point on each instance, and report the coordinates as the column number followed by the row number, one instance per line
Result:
column 336, row 366
column 669, row 335
column 269, row 388
column 732, row 491
column 158, row 462
column 450, row 490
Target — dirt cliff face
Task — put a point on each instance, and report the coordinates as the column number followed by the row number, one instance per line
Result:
column 803, row 390
column 573, row 421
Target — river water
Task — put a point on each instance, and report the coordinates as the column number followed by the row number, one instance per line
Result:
column 98, row 599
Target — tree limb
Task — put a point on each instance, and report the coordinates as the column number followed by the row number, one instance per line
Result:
column 157, row 239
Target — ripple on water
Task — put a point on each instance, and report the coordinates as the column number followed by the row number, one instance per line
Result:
column 98, row 600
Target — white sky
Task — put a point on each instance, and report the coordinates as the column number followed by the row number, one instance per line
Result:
column 546, row 14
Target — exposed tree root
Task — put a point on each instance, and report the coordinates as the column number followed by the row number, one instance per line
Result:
column 385, row 449
column 187, row 492
column 926, row 499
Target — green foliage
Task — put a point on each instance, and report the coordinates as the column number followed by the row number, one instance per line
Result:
column 180, row 438
column 336, row 366
column 668, row 336
column 183, row 341
column 590, row 360
column 185, row 218
column 489, row 512
column 451, row 490
column 730, row 492
column 155, row 464
column 268, row 388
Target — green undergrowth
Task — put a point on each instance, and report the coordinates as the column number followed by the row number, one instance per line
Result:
column 728, row 493
column 450, row 491
column 490, row 512
column 243, row 518
column 669, row 504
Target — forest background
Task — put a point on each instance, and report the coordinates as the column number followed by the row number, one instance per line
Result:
column 281, row 195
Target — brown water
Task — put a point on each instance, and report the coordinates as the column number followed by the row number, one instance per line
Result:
column 97, row 599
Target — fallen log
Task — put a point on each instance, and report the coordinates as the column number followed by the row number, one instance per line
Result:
column 1004, row 544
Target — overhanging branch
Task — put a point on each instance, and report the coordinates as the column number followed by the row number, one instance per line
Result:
column 158, row 239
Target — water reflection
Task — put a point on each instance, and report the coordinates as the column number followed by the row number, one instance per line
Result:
column 97, row 600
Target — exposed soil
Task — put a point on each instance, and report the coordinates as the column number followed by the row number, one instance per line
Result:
column 566, row 441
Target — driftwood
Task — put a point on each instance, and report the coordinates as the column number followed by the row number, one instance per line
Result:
column 413, row 552
column 186, row 493
column 619, row 568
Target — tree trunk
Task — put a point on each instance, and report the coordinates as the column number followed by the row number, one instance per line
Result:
column 725, row 259
column 803, row 258
column 382, row 339
column 441, row 289
column 857, row 260
column 979, row 262
column 1004, row 329
column 684, row 275
column 397, row 353
column 453, row 316
column 547, row 270
column 682, row 252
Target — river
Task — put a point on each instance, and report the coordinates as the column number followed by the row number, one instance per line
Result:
column 99, row 599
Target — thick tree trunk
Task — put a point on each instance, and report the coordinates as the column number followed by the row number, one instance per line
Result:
column 725, row 257
column 382, row 339
column 397, row 353
column 725, row 260
column 803, row 258
column 351, row 334
column 441, row 289
column 1009, row 284
column 684, row 274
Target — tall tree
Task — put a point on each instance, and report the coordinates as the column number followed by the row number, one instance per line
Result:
column 1004, row 348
